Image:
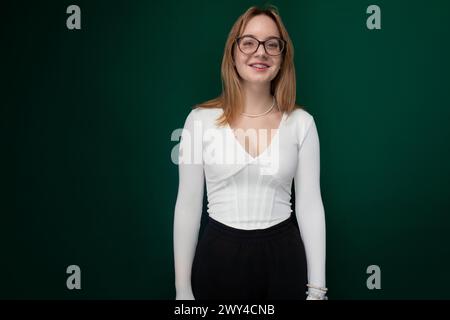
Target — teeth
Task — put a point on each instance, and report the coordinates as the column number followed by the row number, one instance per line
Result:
column 259, row 66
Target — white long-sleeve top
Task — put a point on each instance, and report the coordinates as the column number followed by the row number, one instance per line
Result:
column 248, row 192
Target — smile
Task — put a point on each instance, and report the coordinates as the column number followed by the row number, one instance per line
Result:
column 259, row 67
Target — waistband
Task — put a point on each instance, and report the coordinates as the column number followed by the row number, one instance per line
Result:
column 280, row 228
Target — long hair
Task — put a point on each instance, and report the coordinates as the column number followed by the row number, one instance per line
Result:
column 283, row 86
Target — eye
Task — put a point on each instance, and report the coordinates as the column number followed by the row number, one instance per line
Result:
column 248, row 43
column 273, row 44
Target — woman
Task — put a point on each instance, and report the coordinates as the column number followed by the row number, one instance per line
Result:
column 251, row 247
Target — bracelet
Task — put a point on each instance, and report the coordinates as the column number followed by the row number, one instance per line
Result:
column 317, row 296
column 318, row 288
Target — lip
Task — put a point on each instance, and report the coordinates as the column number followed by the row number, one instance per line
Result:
column 259, row 69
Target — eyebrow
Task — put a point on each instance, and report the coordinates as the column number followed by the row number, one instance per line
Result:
column 257, row 37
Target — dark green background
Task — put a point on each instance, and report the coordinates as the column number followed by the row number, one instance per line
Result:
column 87, row 116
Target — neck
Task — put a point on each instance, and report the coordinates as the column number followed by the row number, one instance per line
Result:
column 257, row 98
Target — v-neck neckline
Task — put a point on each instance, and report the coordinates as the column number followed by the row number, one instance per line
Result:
column 242, row 148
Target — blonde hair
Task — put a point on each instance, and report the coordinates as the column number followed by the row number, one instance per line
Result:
column 283, row 86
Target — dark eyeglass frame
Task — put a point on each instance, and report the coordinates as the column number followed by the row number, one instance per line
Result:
column 238, row 39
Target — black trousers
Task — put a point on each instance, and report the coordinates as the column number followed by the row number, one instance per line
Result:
column 259, row 264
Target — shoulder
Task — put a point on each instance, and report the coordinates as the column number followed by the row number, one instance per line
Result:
column 300, row 119
column 299, row 122
column 204, row 114
column 300, row 115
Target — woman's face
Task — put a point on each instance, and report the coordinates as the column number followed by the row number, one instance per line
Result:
column 261, row 27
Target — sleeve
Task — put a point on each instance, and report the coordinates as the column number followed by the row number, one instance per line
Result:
column 188, row 207
column 309, row 207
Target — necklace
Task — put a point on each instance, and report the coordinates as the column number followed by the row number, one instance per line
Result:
column 261, row 114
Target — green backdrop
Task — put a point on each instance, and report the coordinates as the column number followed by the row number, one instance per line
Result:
column 87, row 116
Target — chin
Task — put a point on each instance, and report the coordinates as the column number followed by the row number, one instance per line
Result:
column 259, row 79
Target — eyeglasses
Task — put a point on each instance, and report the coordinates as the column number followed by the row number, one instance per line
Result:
column 274, row 46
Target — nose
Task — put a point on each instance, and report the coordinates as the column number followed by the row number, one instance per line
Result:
column 261, row 50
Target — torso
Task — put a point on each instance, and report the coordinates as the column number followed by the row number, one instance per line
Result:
column 245, row 192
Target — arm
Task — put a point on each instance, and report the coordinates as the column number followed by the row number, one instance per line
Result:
column 309, row 207
column 188, row 210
